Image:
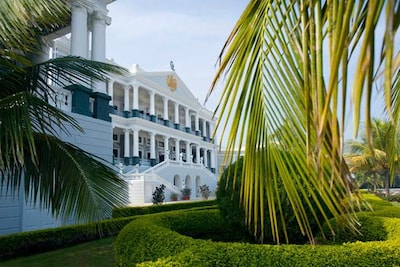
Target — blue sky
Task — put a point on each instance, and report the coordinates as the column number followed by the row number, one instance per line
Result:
column 151, row 33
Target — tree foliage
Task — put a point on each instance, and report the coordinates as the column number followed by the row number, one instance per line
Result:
column 288, row 78
column 371, row 157
column 57, row 175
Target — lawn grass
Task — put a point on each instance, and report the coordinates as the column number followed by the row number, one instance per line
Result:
column 397, row 204
column 99, row 253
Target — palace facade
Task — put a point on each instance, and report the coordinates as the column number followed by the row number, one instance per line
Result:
column 147, row 125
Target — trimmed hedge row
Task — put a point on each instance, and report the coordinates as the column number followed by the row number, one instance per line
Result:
column 33, row 242
column 380, row 222
column 372, row 228
column 163, row 240
column 29, row 243
column 235, row 254
column 132, row 211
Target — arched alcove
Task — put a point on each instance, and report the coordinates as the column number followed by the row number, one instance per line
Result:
column 177, row 181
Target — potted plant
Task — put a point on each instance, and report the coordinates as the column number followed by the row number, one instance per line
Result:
column 205, row 191
column 186, row 192
column 174, row 196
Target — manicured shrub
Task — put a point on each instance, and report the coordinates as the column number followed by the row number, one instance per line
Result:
column 380, row 223
column 220, row 254
column 157, row 240
column 159, row 195
column 228, row 198
column 132, row 247
column 132, row 211
column 375, row 202
column 29, row 243
column 369, row 229
column 389, row 211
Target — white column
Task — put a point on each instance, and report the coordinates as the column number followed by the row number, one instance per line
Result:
column 98, row 36
column 152, row 105
column 126, row 143
column 187, row 118
column 79, row 31
column 99, row 44
column 177, row 149
column 197, row 154
column 166, row 148
column 152, row 146
column 205, row 157
column 126, row 98
column 165, row 108
column 111, row 91
column 212, row 159
column 188, row 152
column 135, row 97
column 204, row 133
column 211, row 128
column 196, row 123
column 135, row 142
column 176, row 113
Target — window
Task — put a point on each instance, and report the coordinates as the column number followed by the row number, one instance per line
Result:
column 140, row 139
column 148, row 141
column 115, row 137
column 161, row 144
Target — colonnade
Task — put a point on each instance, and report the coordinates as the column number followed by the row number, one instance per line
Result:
column 172, row 148
column 132, row 108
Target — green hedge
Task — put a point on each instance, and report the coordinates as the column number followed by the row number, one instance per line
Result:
column 371, row 228
column 375, row 202
column 133, row 246
column 159, row 240
column 132, row 211
column 231, row 254
column 29, row 243
column 380, row 222
column 33, row 242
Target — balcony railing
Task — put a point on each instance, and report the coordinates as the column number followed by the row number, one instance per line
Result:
column 158, row 120
column 126, row 164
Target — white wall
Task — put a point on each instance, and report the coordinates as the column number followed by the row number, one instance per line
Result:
column 18, row 214
column 10, row 212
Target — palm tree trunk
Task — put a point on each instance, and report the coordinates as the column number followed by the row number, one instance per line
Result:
column 387, row 182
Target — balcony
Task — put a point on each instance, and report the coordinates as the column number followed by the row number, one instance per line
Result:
column 159, row 120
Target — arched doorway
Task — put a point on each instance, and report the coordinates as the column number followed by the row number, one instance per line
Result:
column 188, row 182
column 177, row 181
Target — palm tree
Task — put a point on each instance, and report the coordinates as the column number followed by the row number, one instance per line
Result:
column 373, row 157
column 58, row 175
column 292, row 62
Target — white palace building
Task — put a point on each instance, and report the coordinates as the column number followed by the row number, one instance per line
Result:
column 148, row 125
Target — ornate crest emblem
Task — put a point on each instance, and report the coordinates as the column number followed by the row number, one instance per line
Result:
column 171, row 82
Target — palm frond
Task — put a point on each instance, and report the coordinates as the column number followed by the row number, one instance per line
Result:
column 63, row 170
column 58, row 176
column 288, row 62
